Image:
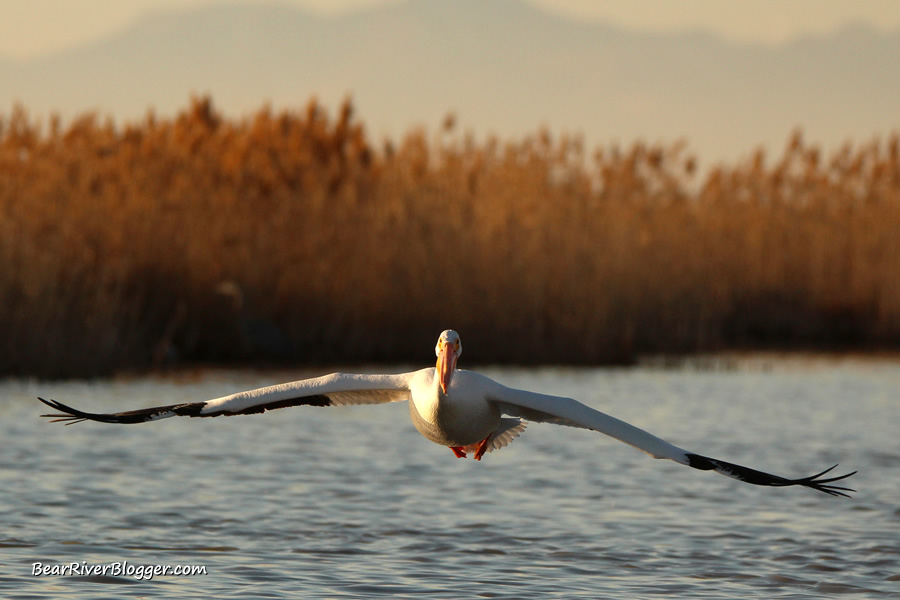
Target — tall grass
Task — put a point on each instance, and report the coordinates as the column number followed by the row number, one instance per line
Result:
column 291, row 237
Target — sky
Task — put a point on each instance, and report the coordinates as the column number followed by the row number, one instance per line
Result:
column 651, row 105
column 40, row 27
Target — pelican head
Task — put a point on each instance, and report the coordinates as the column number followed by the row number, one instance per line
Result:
column 448, row 349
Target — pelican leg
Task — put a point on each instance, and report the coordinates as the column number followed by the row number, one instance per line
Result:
column 458, row 451
column 482, row 447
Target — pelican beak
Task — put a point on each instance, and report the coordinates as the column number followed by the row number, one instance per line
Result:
column 446, row 364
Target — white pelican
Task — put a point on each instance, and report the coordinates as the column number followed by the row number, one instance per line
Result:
column 455, row 408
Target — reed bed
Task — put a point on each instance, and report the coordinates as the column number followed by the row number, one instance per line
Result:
column 291, row 237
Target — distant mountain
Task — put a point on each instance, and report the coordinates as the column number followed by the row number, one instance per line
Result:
column 502, row 66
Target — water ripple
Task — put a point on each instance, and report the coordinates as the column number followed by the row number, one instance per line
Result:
column 353, row 503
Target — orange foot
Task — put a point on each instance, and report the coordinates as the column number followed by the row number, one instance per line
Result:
column 458, row 451
column 482, row 448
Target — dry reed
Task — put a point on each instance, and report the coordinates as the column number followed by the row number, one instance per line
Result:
column 289, row 237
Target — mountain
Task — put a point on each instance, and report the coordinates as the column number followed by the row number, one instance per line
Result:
column 502, row 66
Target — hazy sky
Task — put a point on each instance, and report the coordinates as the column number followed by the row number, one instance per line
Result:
column 32, row 28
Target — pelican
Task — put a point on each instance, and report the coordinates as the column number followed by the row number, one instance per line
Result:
column 460, row 409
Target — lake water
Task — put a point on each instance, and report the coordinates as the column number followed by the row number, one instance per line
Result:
column 352, row 502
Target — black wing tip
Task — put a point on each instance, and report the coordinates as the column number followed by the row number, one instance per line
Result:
column 824, row 485
column 67, row 413
column 761, row 478
column 73, row 415
column 190, row 409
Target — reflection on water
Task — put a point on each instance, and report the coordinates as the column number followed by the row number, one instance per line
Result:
column 351, row 501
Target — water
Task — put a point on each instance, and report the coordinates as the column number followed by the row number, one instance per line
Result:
column 352, row 502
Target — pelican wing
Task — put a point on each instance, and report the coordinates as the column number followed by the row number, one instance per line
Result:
column 544, row 408
column 337, row 389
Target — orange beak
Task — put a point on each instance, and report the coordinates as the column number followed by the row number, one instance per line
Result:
column 446, row 364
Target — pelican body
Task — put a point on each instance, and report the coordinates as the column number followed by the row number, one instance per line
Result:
column 463, row 410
